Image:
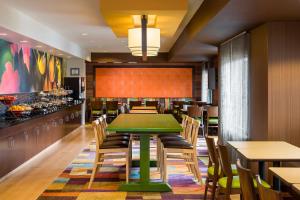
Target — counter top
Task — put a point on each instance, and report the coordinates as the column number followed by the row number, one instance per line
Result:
column 5, row 123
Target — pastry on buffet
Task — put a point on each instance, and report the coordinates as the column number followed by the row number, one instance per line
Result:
column 7, row 98
column 16, row 108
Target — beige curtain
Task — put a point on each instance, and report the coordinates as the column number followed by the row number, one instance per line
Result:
column 234, row 89
column 204, row 83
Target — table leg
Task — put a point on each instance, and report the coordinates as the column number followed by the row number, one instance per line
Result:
column 144, row 158
column 144, row 185
column 276, row 181
column 261, row 169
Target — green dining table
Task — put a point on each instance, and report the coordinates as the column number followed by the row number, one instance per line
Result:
column 145, row 125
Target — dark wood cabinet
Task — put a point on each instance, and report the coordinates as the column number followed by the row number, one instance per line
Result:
column 21, row 142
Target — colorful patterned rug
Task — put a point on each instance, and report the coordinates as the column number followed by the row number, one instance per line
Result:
column 72, row 183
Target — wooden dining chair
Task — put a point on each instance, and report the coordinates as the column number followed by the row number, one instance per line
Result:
column 213, row 175
column 212, row 121
column 173, row 137
column 246, row 182
column 134, row 103
column 266, row 193
column 229, row 184
column 213, row 163
column 196, row 112
column 110, row 136
column 96, row 108
column 186, row 148
column 152, row 103
column 112, row 110
column 109, row 150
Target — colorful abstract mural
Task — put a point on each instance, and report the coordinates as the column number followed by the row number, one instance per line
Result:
column 24, row 69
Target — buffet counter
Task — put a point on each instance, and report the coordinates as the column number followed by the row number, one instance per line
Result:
column 21, row 139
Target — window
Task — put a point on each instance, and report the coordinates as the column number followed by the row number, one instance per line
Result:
column 234, row 89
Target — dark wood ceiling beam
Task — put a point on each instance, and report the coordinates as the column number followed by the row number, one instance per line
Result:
column 207, row 11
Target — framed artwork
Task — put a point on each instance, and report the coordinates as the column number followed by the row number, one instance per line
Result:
column 74, row 71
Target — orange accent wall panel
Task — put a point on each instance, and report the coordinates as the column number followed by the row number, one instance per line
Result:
column 144, row 82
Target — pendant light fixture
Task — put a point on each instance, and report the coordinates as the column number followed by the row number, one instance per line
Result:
column 144, row 41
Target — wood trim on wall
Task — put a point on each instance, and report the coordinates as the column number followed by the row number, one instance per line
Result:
column 284, row 82
column 275, row 72
column 259, row 83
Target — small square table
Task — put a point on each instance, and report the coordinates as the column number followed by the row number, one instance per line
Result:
column 270, row 151
column 145, row 125
column 289, row 175
column 296, row 187
column 143, row 108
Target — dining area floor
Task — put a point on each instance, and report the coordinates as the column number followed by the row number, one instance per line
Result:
column 63, row 172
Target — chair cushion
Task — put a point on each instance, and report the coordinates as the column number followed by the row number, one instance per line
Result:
column 170, row 138
column 180, row 144
column 112, row 112
column 117, row 138
column 119, row 134
column 169, row 135
column 97, row 112
column 211, row 170
column 114, row 144
column 236, row 182
column 213, row 121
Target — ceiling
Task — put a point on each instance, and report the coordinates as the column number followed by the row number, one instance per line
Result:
column 82, row 22
column 233, row 18
column 205, row 25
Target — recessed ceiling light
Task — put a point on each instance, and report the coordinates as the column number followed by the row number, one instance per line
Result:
column 23, row 41
column 84, row 34
column 60, row 54
column 3, row 34
column 39, row 46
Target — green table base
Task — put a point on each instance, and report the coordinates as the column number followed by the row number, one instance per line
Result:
column 145, row 125
column 136, row 163
column 145, row 187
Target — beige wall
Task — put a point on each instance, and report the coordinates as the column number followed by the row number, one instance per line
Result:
column 76, row 63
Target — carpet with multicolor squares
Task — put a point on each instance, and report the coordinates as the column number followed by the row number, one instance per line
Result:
column 72, row 183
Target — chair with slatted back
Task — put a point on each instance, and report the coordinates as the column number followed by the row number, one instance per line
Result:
column 152, row 103
column 96, row 108
column 266, row 193
column 212, row 174
column 174, row 137
column 134, row 103
column 112, row 109
column 186, row 148
column 196, row 112
column 229, row 184
column 111, row 136
column 246, row 182
column 212, row 121
column 109, row 150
